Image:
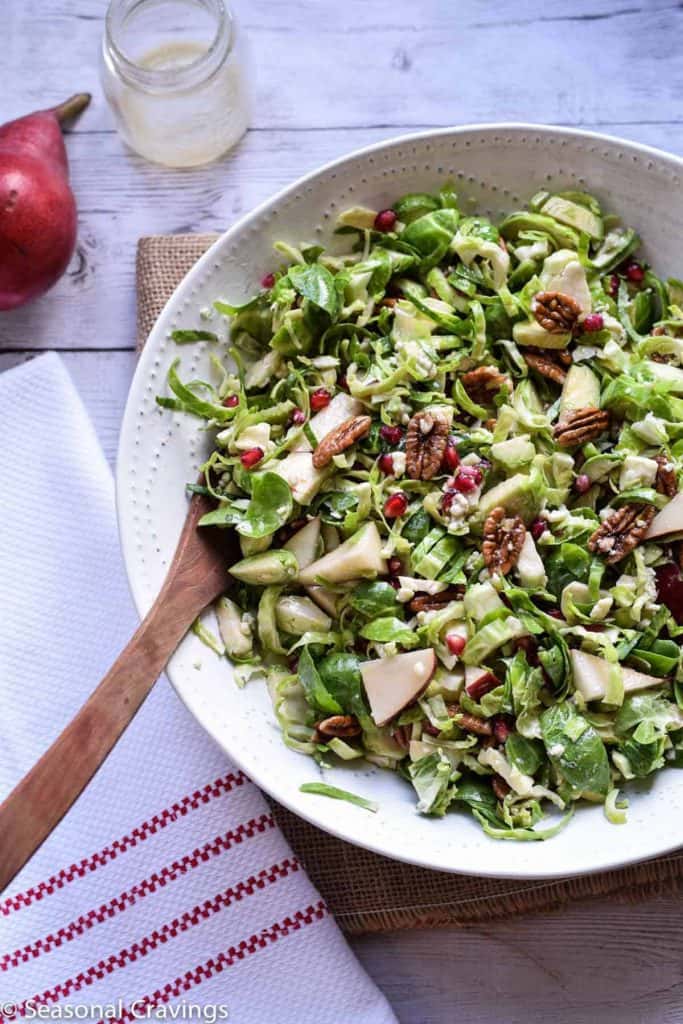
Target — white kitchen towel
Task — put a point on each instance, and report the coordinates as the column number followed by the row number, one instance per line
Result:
column 168, row 884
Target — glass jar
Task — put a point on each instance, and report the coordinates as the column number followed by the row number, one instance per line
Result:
column 174, row 73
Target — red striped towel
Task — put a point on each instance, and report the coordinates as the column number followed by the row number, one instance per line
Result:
column 168, row 884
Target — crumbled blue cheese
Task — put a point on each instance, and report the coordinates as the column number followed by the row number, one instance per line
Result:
column 398, row 464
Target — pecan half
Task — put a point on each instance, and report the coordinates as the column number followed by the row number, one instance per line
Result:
column 621, row 532
column 556, row 312
column 666, row 481
column 343, row 726
column 402, row 736
column 581, row 425
column 503, row 539
column 426, row 439
column 500, row 787
column 468, row 722
column 340, row 438
column 430, row 602
column 483, row 383
column 551, row 364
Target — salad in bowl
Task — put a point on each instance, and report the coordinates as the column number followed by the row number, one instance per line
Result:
column 451, row 450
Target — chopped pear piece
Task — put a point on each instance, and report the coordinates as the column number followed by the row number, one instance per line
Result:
column 581, row 389
column 528, row 332
column 304, row 543
column 359, row 557
column 340, row 409
column 669, row 520
column 530, row 568
column 298, row 470
column 297, row 467
column 591, row 676
column 562, row 272
column 473, row 673
column 391, row 684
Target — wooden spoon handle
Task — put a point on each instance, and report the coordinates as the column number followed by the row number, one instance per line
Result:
column 40, row 800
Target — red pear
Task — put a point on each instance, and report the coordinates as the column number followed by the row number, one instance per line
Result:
column 37, row 206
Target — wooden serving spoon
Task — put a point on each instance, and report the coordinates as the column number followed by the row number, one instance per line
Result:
column 197, row 576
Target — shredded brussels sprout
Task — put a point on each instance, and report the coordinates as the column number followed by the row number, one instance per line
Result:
column 451, row 452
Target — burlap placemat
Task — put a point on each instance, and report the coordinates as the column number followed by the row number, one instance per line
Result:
column 368, row 893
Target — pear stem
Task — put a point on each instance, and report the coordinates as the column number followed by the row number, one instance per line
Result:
column 71, row 108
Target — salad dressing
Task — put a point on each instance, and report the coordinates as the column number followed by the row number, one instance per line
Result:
column 181, row 100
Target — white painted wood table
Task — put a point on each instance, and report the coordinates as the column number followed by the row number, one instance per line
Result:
column 331, row 77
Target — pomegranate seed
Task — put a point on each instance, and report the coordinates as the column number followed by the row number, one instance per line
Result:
column 430, row 729
column 395, row 565
column 451, row 459
column 555, row 613
column 392, row 435
column 613, row 287
column 320, row 399
column 593, row 322
column 293, row 664
column 251, row 457
column 298, row 417
column 268, row 281
column 635, row 273
column 538, row 528
column 394, row 582
column 582, row 483
column 385, row 220
column 468, row 479
column 484, row 684
column 447, row 500
column 455, row 643
column 464, row 484
column 386, row 464
column 231, row 401
column 395, row 505
column 502, row 727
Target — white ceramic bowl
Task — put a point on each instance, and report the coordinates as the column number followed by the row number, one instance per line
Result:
column 496, row 169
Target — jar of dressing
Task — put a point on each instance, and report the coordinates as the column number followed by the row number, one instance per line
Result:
column 174, row 73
